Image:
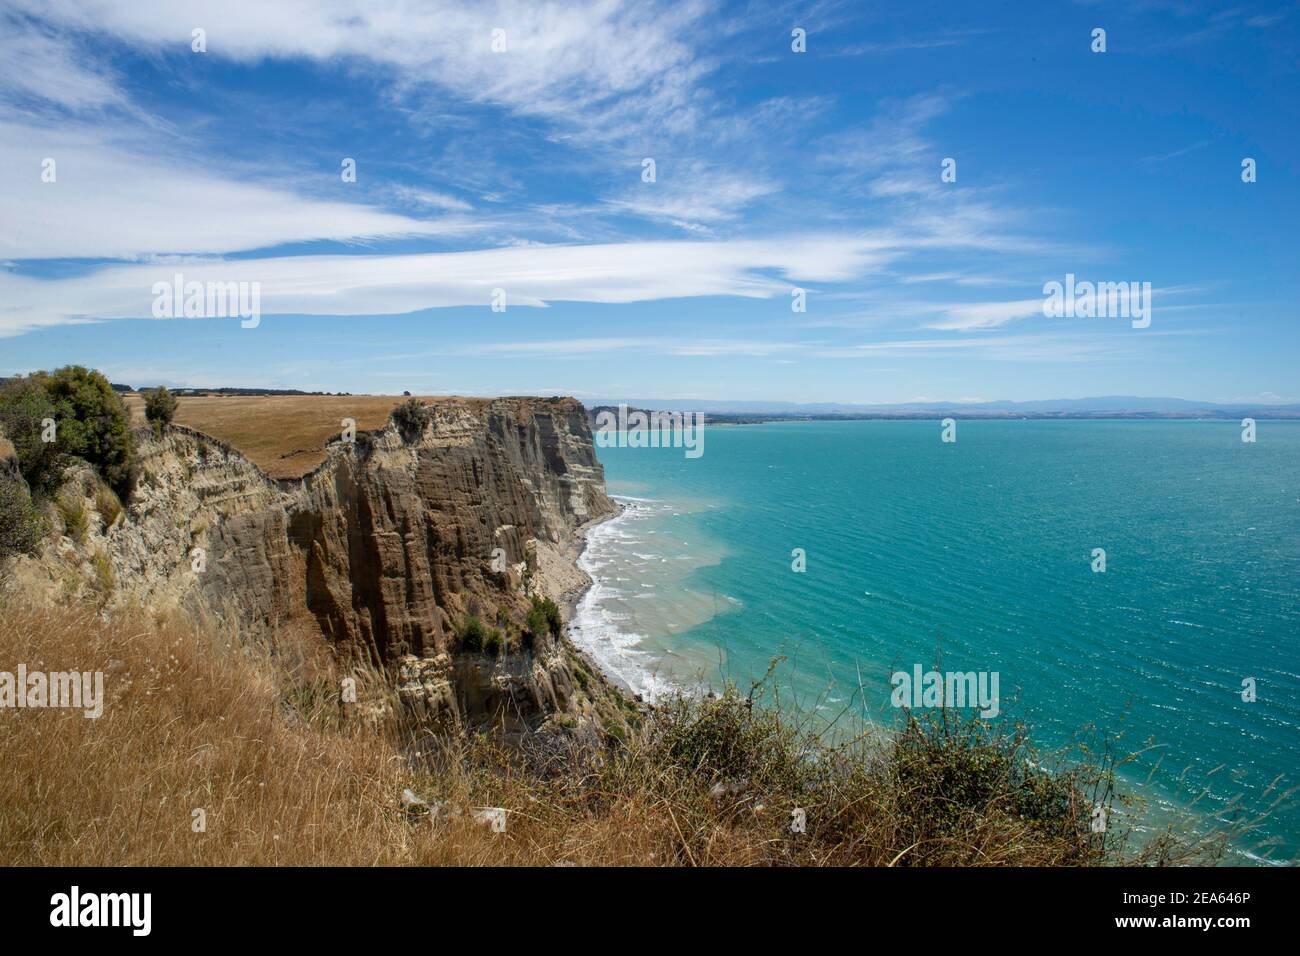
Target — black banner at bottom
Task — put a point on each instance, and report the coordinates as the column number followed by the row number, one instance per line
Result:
column 366, row 906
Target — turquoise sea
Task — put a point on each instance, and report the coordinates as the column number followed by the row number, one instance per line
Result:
column 978, row 556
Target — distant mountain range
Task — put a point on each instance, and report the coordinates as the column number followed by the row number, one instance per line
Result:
column 1109, row 406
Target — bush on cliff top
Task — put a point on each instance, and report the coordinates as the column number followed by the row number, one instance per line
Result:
column 25, row 407
column 958, row 773
column 90, row 423
column 410, row 418
column 159, row 408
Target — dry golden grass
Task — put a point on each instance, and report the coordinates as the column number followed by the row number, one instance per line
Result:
column 250, row 732
column 251, row 737
column 284, row 435
column 191, row 722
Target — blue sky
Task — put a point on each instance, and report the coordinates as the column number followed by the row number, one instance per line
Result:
column 521, row 170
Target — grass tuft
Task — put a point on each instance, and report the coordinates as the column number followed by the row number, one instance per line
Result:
column 73, row 512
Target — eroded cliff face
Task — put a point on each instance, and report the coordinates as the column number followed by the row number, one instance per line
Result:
column 387, row 546
column 398, row 537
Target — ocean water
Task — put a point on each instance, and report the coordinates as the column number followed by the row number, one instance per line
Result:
column 977, row 556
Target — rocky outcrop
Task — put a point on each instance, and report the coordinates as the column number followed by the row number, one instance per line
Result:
column 399, row 539
column 388, row 546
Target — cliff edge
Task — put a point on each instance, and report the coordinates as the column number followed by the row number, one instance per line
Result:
column 388, row 547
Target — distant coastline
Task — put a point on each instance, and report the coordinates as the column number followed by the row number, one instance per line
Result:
column 1083, row 409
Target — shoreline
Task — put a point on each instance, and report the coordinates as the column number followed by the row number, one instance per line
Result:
column 573, row 549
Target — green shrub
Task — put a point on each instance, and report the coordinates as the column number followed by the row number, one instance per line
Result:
column 552, row 612
column 159, row 408
column 409, row 417
column 728, row 738
column 534, row 625
column 20, row 523
column 543, row 618
column 25, row 406
column 92, row 423
column 959, row 772
column 471, row 633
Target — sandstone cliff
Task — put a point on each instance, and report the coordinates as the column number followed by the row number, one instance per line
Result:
column 386, row 547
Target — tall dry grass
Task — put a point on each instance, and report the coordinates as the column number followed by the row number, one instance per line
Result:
column 250, row 732
column 193, row 720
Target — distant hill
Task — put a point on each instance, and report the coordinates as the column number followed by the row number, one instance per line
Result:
column 1109, row 406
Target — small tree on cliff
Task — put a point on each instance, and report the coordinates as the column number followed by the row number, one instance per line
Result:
column 534, row 626
column 25, row 408
column 409, row 417
column 159, row 408
column 553, row 619
column 474, row 635
column 543, row 618
column 92, row 423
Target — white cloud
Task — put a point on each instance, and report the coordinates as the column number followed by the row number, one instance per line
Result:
column 110, row 201
column 987, row 315
column 431, row 199
column 394, row 284
column 1005, row 348
column 581, row 348
column 890, row 157
column 597, row 64
column 48, row 68
column 691, row 196
column 605, row 71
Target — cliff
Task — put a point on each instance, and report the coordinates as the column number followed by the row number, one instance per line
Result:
column 386, row 547
column 381, row 551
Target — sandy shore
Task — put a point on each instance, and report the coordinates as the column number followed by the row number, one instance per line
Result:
column 580, row 583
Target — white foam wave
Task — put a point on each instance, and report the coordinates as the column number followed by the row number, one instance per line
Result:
column 598, row 630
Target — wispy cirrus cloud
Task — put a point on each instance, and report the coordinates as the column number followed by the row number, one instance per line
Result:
column 120, row 202
column 609, row 345
column 597, row 65
column 599, row 75
column 1001, row 348
column 1174, row 154
column 1053, row 347
column 43, row 68
column 986, row 315
column 948, row 38
column 393, row 284
column 693, row 197
column 608, row 76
